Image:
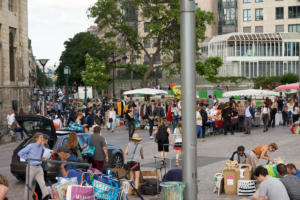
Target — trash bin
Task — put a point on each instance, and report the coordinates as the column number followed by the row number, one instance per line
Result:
column 172, row 191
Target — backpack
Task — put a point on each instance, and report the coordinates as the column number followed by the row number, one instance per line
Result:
column 150, row 187
column 233, row 154
column 203, row 114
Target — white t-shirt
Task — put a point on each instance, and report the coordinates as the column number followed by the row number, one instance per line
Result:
column 265, row 110
column 10, row 119
column 295, row 111
column 198, row 121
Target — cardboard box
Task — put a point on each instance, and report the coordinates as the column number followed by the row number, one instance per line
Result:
column 230, row 180
column 244, row 172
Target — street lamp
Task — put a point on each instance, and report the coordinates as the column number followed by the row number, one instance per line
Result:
column 43, row 62
column 67, row 72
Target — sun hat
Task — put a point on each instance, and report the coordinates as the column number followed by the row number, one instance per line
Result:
column 136, row 136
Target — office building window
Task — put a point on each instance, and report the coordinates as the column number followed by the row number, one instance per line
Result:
column 259, row 14
column 246, row 1
column 229, row 16
column 247, row 29
column 146, row 60
column 279, row 28
column 11, row 5
column 294, row 28
column 146, row 27
column 247, row 14
column 279, row 13
column 294, row 11
column 257, row 1
column 259, row 29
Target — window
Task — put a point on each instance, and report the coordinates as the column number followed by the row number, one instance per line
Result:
column 155, row 42
column 279, row 28
column 259, row 14
column 146, row 60
column 12, row 34
column 147, row 43
column 259, row 29
column 229, row 16
column 11, row 5
column 247, row 29
column 294, row 28
column 246, row 1
column 294, row 11
column 157, row 59
column 146, row 27
column 279, row 13
column 257, row 1
column 247, row 14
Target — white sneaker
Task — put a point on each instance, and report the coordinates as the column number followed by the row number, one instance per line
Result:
column 151, row 137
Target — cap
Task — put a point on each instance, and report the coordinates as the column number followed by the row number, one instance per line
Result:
column 46, row 136
column 63, row 149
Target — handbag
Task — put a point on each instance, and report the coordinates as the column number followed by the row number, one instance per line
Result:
column 105, row 191
column 110, row 120
column 89, row 151
column 79, row 192
column 127, row 166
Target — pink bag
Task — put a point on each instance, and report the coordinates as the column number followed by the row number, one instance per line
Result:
column 95, row 171
column 77, row 192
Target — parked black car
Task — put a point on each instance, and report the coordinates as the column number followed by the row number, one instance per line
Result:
column 34, row 123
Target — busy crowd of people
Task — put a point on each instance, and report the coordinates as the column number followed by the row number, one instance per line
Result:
column 162, row 118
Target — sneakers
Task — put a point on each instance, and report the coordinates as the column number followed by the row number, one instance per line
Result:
column 151, row 137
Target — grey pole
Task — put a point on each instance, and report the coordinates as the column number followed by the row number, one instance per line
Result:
column 188, row 77
column 299, row 75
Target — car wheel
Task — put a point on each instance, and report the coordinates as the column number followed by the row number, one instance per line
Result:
column 117, row 161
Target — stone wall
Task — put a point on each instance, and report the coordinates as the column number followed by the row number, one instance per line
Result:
column 16, row 89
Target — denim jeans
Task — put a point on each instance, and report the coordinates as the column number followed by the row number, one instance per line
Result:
column 112, row 125
column 199, row 131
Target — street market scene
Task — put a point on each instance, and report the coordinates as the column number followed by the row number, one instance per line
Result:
column 148, row 100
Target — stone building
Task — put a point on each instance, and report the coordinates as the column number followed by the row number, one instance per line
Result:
column 14, row 57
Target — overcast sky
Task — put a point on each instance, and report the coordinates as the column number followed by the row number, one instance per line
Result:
column 52, row 22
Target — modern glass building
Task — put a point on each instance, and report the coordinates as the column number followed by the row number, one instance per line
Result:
column 255, row 54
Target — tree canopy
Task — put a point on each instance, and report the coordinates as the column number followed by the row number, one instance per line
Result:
column 118, row 20
column 76, row 49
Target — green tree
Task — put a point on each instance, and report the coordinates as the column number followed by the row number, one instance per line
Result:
column 289, row 78
column 74, row 54
column 95, row 74
column 40, row 78
column 115, row 18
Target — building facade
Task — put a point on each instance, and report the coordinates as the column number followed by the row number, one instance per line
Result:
column 255, row 54
column 14, row 57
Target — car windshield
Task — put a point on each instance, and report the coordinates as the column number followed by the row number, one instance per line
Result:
column 34, row 126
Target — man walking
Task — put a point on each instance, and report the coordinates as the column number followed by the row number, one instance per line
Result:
column 151, row 113
column 130, row 120
column 10, row 122
column 101, row 153
column 35, row 170
column 248, row 118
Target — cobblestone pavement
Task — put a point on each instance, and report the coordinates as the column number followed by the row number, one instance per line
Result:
column 212, row 155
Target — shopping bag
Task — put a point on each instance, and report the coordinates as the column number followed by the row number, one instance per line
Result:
column 105, row 191
column 246, row 187
column 78, row 192
column 89, row 151
column 62, row 190
column 84, row 177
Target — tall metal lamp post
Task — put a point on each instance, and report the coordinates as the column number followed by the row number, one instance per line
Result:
column 67, row 72
column 43, row 62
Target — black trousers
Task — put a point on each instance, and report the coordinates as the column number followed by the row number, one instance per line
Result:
column 151, row 124
column 272, row 121
column 241, row 123
column 228, row 126
column 131, row 128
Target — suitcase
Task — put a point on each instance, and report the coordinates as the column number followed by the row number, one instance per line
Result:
column 150, row 187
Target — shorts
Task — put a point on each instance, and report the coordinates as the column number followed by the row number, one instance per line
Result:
column 163, row 147
column 132, row 164
column 177, row 146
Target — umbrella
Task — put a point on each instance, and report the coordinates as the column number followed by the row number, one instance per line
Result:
column 147, row 91
column 293, row 86
column 250, row 92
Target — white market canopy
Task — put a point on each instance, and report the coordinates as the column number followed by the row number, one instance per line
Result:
column 250, row 92
column 146, row 91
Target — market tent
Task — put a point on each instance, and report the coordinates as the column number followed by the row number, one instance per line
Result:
column 146, row 91
column 250, row 92
column 292, row 86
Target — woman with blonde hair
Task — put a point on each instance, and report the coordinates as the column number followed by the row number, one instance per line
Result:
column 73, row 145
column 134, row 152
column 79, row 118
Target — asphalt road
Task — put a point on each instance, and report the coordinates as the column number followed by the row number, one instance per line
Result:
column 212, row 155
